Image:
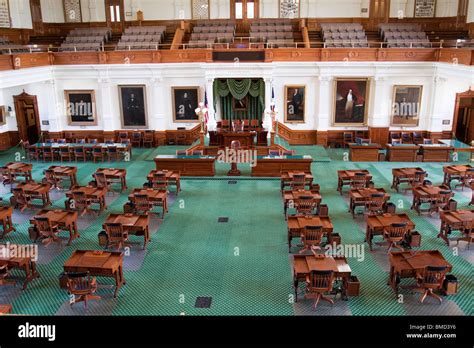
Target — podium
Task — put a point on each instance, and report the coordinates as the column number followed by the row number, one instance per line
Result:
column 245, row 138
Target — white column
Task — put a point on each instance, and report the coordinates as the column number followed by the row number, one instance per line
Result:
column 379, row 109
column 105, row 98
column 57, row 109
column 434, row 118
column 267, row 121
column 157, row 119
column 326, row 108
column 212, row 123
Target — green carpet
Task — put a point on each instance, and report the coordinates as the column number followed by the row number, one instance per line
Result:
column 244, row 264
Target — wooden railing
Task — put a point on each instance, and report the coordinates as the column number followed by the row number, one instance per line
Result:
column 297, row 137
column 177, row 39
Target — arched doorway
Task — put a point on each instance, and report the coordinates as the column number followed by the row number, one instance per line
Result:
column 244, row 9
column 463, row 121
column 27, row 117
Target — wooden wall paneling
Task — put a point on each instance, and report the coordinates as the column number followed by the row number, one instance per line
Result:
column 132, row 57
column 186, row 56
column 348, row 54
column 5, row 142
column 297, row 137
column 407, row 54
column 30, row 60
column 322, row 138
column 455, row 56
column 379, row 135
column 75, row 58
column 6, row 62
column 293, row 55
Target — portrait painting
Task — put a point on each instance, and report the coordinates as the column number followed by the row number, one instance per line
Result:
column 133, row 110
column 3, row 115
column 406, row 104
column 239, row 105
column 81, row 107
column 185, row 102
column 295, row 104
column 351, row 101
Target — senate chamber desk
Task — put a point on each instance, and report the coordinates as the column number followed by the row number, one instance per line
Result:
column 402, row 152
column 187, row 165
column 364, row 152
column 273, row 166
column 436, row 152
column 246, row 139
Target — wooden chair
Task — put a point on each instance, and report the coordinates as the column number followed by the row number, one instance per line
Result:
column 98, row 153
column 4, row 274
column 65, row 153
column 113, row 153
column 298, row 182
column 52, row 179
column 181, row 153
column 395, row 234
column 254, row 124
column 348, row 138
column 6, row 176
column 427, row 141
column 159, row 181
column 80, row 140
column 33, row 153
column 319, row 283
column 198, row 153
column 418, row 179
column 274, row 153
column 81, row 202
column 83, row 287
column 137, row 139
column 288, row 153
column 246, row 125
column 115, row 235
column 417, row 138
column 468, row 232
column 359, row 181
column 466, row 179
column 406, row 138
column 141, row 204
column 375, row 205
column 311, row 238
column 68, row 136
column 225, row 124
column 101, row 181
column 61, row 141
column 431, row 279
column 396, row 141
column 148, row 138
column 47, row 231
column 305, row 205
column 442, row 201
column 48, row 153
column 80, row 153
column 93, row 141
column 22, row 200
column 395, row 136
column 122, row 135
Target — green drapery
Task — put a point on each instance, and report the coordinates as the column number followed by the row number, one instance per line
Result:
column 229, row 89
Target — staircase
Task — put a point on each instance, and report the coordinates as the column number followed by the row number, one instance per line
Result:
column 169, row 36
column 315, row 38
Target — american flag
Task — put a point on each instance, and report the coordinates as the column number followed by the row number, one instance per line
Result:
column 206, row 115
column 272, row 104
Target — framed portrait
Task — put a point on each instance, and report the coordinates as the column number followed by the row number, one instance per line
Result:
column 406, row 104
column 351, row 101
column 5, row 21
column 81, row 107
column 185, row 102
column 295, row 104
column 133, row 110
column 425, row 8
column 240, row 105
column 3, row 116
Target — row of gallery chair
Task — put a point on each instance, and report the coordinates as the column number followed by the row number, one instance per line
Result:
column 395, row 138
column 77, row 153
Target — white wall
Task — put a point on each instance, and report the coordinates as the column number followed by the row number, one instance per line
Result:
column 219, row 9
column 52, row 11
column 470, row 12
column 20, row 14
column 93, row 10
column 440, row 83
column 319, row 8
column 444, row 8
column 158, row 9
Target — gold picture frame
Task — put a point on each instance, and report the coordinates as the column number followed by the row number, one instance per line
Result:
column 186, row 108
column 340, row 117
column 293, row 103
column 3, row 115
column 133, row 116
column 81, row 107
column 403, row 109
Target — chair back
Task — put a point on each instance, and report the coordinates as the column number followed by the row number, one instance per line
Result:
column 321, row 281
column 376, row 202
column 397, row 231
column 432, row 277
column 274, row 153
column 159, row 181
column 298, row 182
column 115, row 232
column 80, row 199
column 141, row 202
column 43, row 225
column 359, row 181
column 136, row 135
column 100, row 180
column 427, row 141
column 312, row 235
column 97, row 151
column 79, row 150
column 396, row 141
column 305, row 205
column 19, row 195
column 80, row 283
column 50, row 177
column 348, row 137
column 93, row 141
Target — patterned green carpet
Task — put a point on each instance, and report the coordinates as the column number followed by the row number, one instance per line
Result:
column 243, row 265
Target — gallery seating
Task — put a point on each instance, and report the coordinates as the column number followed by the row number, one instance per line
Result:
column 86, row 39
column 206, row 34
column 344, row 35
column 139, row 38
column 273, row 34
column 404, row 35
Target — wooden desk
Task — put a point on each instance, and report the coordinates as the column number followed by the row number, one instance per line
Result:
column 187, row 165
column 303, row 265
column 99, row 264
column 289, row 198
column 267, row 166
column 345, row 177
column 454, row 221
column 6, row 220
column 246, row 139
column 27, row 264
column 95, row 194
column 297, row 223
column 37, row 191
column 436, row 153
column 359, row 197
column 155, row 197
column 404, row 175
column 364, row 153
column 114, row 175
column 133, row 224
column 66, row 220
column 286, row 178
column 455, row 172
column 376, row 225
column 172, row 177
column 66, row 172
column 20, row 169
column 402, row 152
column 426, row 194
column 5, row 309
column 408, row 264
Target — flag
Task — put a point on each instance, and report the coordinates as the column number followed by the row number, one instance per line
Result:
column 206, row 115
column 272, row 104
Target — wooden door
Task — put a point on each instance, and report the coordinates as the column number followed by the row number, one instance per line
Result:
column 27, row 117
column 115, row 15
